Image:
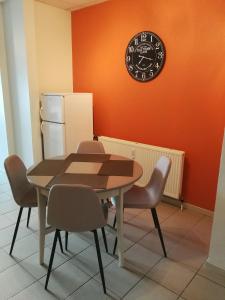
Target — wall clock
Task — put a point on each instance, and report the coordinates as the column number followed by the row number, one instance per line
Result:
column 145, row 56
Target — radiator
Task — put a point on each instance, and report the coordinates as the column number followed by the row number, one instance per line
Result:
column 147, row 156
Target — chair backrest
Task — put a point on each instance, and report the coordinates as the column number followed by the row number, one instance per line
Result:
column 157, row 182
column 16, row 173
column 74, row 208
column 90, row 147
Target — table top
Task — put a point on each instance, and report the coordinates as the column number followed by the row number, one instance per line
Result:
column 103, row 172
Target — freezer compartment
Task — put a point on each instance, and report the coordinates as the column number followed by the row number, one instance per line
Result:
column 53, row 139
column 53, row 108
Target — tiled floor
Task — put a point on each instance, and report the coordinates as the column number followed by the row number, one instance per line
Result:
column 148, row 275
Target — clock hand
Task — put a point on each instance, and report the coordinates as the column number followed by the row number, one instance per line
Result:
column 142, row 57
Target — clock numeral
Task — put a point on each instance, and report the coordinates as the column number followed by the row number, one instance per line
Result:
column 128, row 58
column 157, row 65
column 143, row 37
column 131, row 67
column 157, row 45
column 160, row 55
column 151, row 73
column 143, row 76
column 151, row 38
column 131, row 49
column 136, row 73
column 136, row 42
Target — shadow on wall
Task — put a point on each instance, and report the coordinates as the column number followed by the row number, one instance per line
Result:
column 3, row 136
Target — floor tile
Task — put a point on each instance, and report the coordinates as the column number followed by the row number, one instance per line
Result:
column 186, row 235
column 14, row 280
column 87, row 260
column 92, row 290
column 133, row 233
column 8, row 207
column 203, row 289
column 6, row 260
column 189, row 251
column 6, row 234
column 165, row 210
column 182, row 221
column 24, row 247
column 75, row 245
column 213, row 273
column 201, row 232
column 147, row 289
column 111, row 241
column 31, row 264
column 65, row 280
column 143, row 221
column 133, row 211
column 13, row 215
column 5, row 188
column 5, row 222
column 171, row 275
column 35, row 291
column 140, row 259
column 5, row 197
column 119, row 280
column 152, row 242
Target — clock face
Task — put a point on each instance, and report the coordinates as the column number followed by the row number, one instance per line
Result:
column 145, row 56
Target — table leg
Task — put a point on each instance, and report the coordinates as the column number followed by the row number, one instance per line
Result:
column 42, row 224
column 119, row 222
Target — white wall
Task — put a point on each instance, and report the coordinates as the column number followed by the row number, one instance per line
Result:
column 54, row 48
column 3, row 136
column 217, row 244
column 39, row 58
column 6, row 126
column 18, row 77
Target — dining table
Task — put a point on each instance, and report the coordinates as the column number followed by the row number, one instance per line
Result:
column 108, row 175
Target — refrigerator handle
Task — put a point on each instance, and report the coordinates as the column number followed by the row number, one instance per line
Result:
column 41, row 110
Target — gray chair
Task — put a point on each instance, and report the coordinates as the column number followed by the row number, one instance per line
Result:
column 148, row 197
column 23, row 192
column 74, row 200
column 89, row 147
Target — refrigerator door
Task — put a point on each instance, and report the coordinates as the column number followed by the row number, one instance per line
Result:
column 52, row 108
column 53, row 139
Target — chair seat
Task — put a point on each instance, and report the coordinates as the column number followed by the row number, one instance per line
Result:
column 30, row 198
column 138, row 197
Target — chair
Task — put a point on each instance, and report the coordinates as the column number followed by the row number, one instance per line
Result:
column 148, row 197
column 92, row 147
column 23, row 192
column 74, row 200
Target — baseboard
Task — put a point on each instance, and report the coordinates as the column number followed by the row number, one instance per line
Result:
column 182, row 205
column 203, row 211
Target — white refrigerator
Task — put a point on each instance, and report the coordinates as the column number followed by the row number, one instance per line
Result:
column 66, row 120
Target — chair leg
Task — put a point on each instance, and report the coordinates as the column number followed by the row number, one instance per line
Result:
column 157, row 225
column 115, row 245
column 153, row 217
column 104, row 239
column 60, row 242
column 16, row 229
column 51, row 257
column 66, row 240
column 99, row 260
column 114, row 221
column 28, row 216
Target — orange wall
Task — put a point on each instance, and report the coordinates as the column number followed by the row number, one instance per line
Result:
column 182, row 108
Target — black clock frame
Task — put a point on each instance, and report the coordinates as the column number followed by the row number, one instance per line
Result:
column 153, row 48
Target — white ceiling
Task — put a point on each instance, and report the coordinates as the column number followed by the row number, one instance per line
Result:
column 72, row 4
